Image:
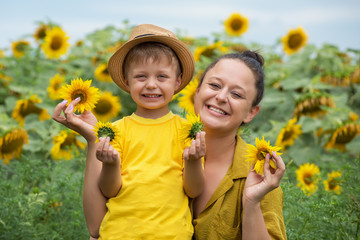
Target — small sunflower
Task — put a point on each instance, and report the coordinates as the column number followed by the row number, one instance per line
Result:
column 40, row 32
column 108, row 130
column 64, row 144
column 311, row 104
column 256, row 154
column 26, row 107
column 236, row 24
column 288, row 134
column 307, row 176
column 186, row 101
column 191, row 126
column 11, row 144
column 55, row 43
column 54, row 88
column 101, row 73
column 294, row 40
column 343, row 135
column 333, row 182
column 19, row 48
column 79, row 88
column 2, row 54
column 355, row 76
column 108, row 107
column 210, row 51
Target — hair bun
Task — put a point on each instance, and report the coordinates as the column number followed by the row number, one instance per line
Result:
column 256, row 56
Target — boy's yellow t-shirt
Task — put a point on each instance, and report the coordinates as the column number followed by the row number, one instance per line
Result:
column 151, row 203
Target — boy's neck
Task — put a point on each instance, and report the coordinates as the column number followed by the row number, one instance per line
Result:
column 151, row 113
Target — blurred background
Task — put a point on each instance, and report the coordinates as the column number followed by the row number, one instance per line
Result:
column 326, row 21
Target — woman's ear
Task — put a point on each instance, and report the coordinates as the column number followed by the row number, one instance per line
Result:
column 252, row 114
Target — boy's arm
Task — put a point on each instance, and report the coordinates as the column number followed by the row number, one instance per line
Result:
column 193, row 175
column 110, row 176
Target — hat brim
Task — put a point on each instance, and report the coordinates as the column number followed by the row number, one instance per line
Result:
column 115, row 64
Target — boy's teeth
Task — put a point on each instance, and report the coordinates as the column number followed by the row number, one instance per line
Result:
column 151, row 96
column 217, row 110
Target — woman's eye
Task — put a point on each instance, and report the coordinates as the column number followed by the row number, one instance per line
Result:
column 236, row 95
column 214, row 85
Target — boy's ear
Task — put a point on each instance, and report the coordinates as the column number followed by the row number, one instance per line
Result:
column 178, row 81
column 252, row 114
column 127, row 84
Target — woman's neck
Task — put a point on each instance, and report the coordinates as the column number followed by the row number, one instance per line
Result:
column 220, row 148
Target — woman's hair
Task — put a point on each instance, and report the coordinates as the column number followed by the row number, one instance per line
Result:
column 254, row 61
column 153, row 50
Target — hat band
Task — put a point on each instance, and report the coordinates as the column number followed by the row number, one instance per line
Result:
column 143, row 35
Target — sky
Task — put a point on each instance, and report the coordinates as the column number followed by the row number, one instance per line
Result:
column 325, row 21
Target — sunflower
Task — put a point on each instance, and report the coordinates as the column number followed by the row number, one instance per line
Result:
column 40, row 32
column 210, row 51
column 11, row 144
column 307, row 176
column 186, row 101
column 107, row 107
column 79, row 88
column 288, row 134
column 332, row 183
column 236, row 24
column 56, row 83
column 19, row 48
column 191, row 126
column 343, row 135
column 311, row 105
column 294, row 40
column 108, row 130
column 2, row 53
column 336, row 81
column 64, row 143
column 56, row 43
column 256, row 154
column 26, row 107
column 101, row 73
column 355, row 76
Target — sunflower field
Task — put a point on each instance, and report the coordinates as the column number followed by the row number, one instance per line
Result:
column 310, row 110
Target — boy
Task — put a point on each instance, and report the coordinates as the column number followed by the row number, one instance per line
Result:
column 145, row 188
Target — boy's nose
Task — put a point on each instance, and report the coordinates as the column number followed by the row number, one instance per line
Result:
column 150, row 83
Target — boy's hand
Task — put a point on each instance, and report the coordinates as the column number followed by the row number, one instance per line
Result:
column 82, row 124
column 106, row 152
column 197, row 149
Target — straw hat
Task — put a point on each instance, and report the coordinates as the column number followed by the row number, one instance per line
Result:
column 151, row 33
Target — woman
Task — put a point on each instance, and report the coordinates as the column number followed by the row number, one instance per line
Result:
column 235, row 203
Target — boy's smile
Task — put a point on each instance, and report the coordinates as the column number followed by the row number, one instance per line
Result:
column 152, row 84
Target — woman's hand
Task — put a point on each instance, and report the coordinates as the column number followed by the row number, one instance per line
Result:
column 257, row 186
column 82, row 124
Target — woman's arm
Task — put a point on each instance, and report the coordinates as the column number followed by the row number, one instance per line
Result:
column 256, row 187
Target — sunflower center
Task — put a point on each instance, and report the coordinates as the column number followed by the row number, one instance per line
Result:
column 295, row 41
column 106, row 132
column 288, row 135
column 29, row 108
column 79, row 93
column 261, row 153
column 21, row 47
column 56, row 86
column 208, row 52
column 56, row 43
column 105, row 71
column 11, row 146
column 332, row 184
column 41, row 33
column 308, row 179
column 345, row 136
column 236, row 24
column 69, row 140
column 103, row 107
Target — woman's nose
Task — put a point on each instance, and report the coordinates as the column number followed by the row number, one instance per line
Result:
column 221, row 96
